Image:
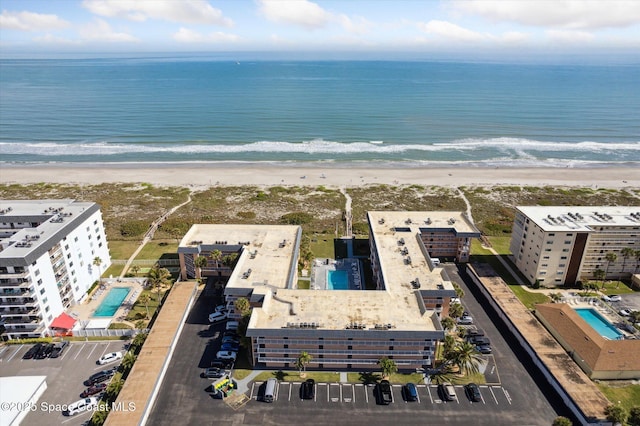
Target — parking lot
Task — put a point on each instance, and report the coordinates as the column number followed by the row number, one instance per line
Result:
column 64, row 377
column 362, row 395
column 510, row 397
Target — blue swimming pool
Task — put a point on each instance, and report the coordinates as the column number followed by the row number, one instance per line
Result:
column 598, row 323
column 112, row 302
column 337, row 280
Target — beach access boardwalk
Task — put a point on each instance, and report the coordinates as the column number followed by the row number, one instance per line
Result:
column 577, row 385
column 146, row 375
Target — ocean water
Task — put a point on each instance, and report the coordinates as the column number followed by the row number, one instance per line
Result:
column 193, row 109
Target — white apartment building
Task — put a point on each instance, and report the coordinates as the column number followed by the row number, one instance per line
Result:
column 397, row 316
column 560, row 245
column 47, row 252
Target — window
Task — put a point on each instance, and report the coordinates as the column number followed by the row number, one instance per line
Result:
column 567, row 241
column 552, row 234
column 42, row 291
column 562, row 265
column 40, row 282
column 563, row 258
column 46, row 309
column 550, row 242
column 75, row 239
column 547, row 249
column 565, row 250
column 36, row 272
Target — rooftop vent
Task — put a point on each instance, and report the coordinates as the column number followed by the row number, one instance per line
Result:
column 428, row 221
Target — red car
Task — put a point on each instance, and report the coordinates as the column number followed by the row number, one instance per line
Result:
column 100, row 387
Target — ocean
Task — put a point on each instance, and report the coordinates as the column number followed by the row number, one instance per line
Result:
column 411, row 113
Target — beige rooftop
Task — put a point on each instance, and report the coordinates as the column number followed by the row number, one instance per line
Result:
column 581, row 218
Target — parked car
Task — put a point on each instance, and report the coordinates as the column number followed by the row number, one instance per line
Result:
column 58, row 349
column 484, row 349
column 222, row 363
column 45, row 351
column 232, row 326
column 475, row 332
column 81, row 405
column 92, row 390
column 612, row 298
column 221, row 308
column 231, row 347
column 465, row 320
column 231, row 333
column 447, row 392
column 109, row 358
column 33, row 351
column 231, row 339
column 217, row 317
column 307, row 390
column 454, row 300
column 212, row 373
column 624, row 312
column 227, row 355
column 410, row 392
column 99, row 377
column 480, row 340
column 384, row 392
column 473, row 392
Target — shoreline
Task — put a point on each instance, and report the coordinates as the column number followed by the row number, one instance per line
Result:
column 204, row 174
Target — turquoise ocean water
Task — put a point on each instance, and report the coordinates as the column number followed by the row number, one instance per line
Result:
column 186, row 109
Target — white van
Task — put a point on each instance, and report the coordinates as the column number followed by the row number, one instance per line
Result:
column 270, row 390
column 81, row 405
column 232, row 325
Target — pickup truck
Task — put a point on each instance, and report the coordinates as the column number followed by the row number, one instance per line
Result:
column 384, row 392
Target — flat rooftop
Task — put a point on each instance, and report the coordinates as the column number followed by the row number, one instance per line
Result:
column 56, row 219
column 267, row 250
column 581, row 218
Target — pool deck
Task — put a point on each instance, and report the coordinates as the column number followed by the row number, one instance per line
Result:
column 577, row 302
column 322, row 266
column 84, row 311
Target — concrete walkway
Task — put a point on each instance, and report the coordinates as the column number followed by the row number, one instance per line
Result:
column 243, row 384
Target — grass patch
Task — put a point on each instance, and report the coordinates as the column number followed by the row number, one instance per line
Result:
column 156, row 249
column 478, row 250
column 501, row 244
column 614, row 287
column 628, row 396
column 321, row 245
column 119, row 326
column 367, row 377
column 241, row 373
column 122, row 249
column 294, row 376
column 529, row 299
column 304, row 284
column 477, row 378
column 139, row 310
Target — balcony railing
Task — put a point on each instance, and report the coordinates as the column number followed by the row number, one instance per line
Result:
column 15, row 274
column 15, row 284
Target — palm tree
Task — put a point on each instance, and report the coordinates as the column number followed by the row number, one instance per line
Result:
column 388, row 366
column 634, row 316
column 216, row 255
column 626, row 252
column 448, row 345
column 555, row 296
column 455, row 310
column 138, row 341
column 599, row 274
column 140, row 324
column 303, row 359
column 135, row 269
column 229, row 259
column 145, row 298
column 159, row 277
column 441, row 375
column 114, row 389
column 611, row 257
column 242, row 305
column 562, row 421
column 97, row 261
column 448, row 323
column 127, row 361
column 200, row 263
column 467, row 358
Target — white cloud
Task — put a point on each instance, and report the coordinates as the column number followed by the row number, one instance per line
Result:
column 570, row 14
column 569, row 36
column 29, row 21
column 51, row 39
column 356, row 25
column 450, row 31
column 185, row 11
column 100, row 30
column 185, row 35
column 299, row 12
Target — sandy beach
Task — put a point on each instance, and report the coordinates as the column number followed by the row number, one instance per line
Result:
column 209, row 174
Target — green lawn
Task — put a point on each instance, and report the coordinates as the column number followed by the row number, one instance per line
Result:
column 629, row 396
column 372, row 377
column 155, row 249
column 122, row 249
column 477, row 249
column 140, row 308
column 530, row 299
column 501, row 244
column 322, row 245
column 614, row 287
column 304, row 284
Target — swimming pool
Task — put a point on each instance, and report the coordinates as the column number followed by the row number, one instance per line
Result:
column 598, row 323
column 338, row 280
column 112, row 302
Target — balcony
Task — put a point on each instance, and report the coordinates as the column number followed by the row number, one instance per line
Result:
column 15, row 284
column 17, row 292
column 20, row 311
column 22, row 274
column 30, row 321
column 19, row 302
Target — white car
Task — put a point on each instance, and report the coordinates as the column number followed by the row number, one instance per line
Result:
column 109, row 358
column 217, row 316
column 232, row 326
column 221, row 308
column 612, row 298
column 226, row 355
column 81, row 405
column 465, row 320
column 624, row 312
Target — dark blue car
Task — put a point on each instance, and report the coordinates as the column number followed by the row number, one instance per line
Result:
column 230, row 347
column 410, row 392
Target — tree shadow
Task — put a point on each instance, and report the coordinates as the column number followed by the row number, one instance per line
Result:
column 280, row 375
column 368, row 377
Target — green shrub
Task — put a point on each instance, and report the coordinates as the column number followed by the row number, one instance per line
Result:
column 134, row 228
column 247, row 215
column 296, row 218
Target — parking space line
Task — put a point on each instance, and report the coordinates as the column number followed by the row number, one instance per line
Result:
column 290, row 386
column 366, row 393
column 494, row 395
column 353, row 393
column 418, row 395
column 506, row 394
column 95, row 345
column 340, row 393
column 14, row 354
column 328, row 391
column 315, row 394
column 429, row 392
column 277, row 390
column 252, row 386
column 3, row 351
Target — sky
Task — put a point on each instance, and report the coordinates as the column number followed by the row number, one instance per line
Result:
column 457, row 28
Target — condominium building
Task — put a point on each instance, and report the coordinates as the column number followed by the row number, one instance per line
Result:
column 47, row 253
column 561, row 245
column 340, row 320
